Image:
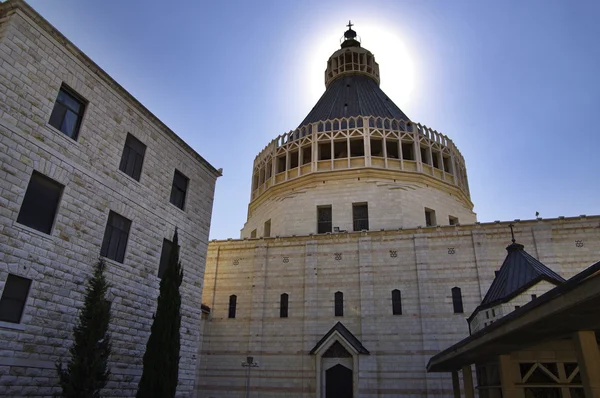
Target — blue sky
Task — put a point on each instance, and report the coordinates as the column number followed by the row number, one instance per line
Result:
column 514, row 84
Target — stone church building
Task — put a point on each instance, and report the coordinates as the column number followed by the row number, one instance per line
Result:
column 361, row 256
column 360, row 259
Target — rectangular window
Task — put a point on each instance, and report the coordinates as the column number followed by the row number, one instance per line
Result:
column 67, row 113
column 339, row 304
column 435, row 158
column 447, row 167
column 430, row 218
column 165, row 255
column 283, row 306
column 133, row 157
column 40, row 203
column 457, row 303
column 179, row 189
column 533, row 297
column 376, row 147
column 324, row 219
column 293, row 159
column 360, row 216
column 115, row 237
column 340, row 149
column 396, row 302
column 391, row 147
column 408, row 152
column 425, row 156
column 281, row 164
column 452, row 220
column 13, row 298
column 357, row 147
column 253, row 234
column 267, row 229
column 306, row 154
column 232, row 305
column 325, row 151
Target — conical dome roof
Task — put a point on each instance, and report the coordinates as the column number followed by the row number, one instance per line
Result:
column 352, row 86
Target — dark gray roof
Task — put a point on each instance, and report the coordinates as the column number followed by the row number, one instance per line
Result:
column 346, row 334
column 353, row 95
column 518, row 272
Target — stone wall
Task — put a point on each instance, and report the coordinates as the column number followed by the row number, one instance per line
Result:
column 423, row 263
column 392, row 204
column 35, row 61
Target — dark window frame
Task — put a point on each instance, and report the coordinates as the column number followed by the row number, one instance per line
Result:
column 360, row 216
column 40, row 205
column 12, row 296
column 396, row 302
column 267, row 228
column 116, row 237
column 457, row 301
column 324, row 219
column 179, row 189
column 284, row 305
column 339, row 304
column 132, row 158
column 62, row 107
column 232, row 306
column 430, row 218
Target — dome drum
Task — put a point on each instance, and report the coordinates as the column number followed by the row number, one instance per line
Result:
column 359, row 142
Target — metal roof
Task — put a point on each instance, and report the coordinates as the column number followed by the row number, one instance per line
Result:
column 518, row 272
column 353, row 95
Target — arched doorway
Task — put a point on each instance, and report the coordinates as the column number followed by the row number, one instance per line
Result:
column 338, row 382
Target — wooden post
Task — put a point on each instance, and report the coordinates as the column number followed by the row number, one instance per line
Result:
column 507, row 377
column 455, row 384
column 589, row 362
column 468, row 381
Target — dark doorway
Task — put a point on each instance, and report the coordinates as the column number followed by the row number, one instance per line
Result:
column 338, row 382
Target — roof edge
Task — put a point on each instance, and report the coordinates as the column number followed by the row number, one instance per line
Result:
column 14, row 5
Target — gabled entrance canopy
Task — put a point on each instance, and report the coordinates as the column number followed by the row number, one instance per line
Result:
column 341, row 333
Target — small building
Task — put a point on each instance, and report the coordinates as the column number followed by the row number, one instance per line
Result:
column 86, row 171
column 545, row 347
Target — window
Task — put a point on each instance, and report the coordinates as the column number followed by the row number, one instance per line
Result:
column 40, row 203
column 293, row 159
column 13, row 298
column 339, row 304
column 357, row 147
column 232, row 305
column 452, row 220
column 396, row 302
column 493, row 312
column 360, row 216
column 376, row 147
column 267, row 229
column 115, row 237
column 340, row 149
column 306, row 154
column 281, row 164
column 67, row 113
column 179, row 189
column 533, row 297
column 283, row 306
column 325, row 151
column 253, row 234
column 324, row 215
column 429, row 217
column 408, row 152
column 425, row 155
column 457, row 300
column 167, row 248
column 391, row 147
column 133, row 157
column 447, row 162
column 435, row 159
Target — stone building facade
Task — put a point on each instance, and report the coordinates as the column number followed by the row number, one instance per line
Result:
column 361, row 256
column 87, row 171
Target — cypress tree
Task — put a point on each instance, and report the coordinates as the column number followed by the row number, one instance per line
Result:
column 87, row 369
column 161, row 359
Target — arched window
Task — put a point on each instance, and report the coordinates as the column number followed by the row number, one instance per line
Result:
column 457, row 300
column 232, row 305
column 396, row 302
column 339, row 304
column 283, row 306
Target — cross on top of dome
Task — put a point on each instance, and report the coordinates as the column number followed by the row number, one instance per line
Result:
column 350, row 37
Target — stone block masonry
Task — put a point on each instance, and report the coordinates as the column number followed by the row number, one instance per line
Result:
column 423, row 263
column 35, row 62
